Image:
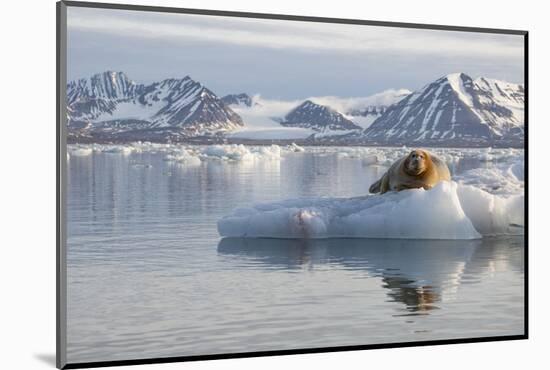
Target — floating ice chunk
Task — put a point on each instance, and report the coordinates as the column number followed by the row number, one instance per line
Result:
column 495, row 155
column 269, row 152
column 486, row 155
column 148, row 147
column 118, row 149
column 493, row 214
column 228, row 152
column 184, row 157
column 505, row 179
column 448, row 157
column 241, row 153
column 81, row 151
column 295, row 148
column 517, row 170
column 402, row 215
column 159, row 147
column 353, row 152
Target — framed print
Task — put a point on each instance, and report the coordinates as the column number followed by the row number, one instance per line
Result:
column 240, row 184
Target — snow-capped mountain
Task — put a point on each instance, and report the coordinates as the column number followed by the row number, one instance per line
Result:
column 454, row 109
column 111, row 105
column 364, row 110
column 187, row 104
column 89, row 98
column 242, row 99
column 317, row 117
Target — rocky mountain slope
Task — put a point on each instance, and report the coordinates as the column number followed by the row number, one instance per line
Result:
column 110, row 105
column 317, row 117
column 454, row 109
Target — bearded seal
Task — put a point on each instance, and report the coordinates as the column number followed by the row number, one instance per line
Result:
column 419, row 169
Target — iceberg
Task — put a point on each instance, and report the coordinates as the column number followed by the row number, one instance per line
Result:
column 492, row 214
column 81, row 151
column 234, row 152
column 295, row 148
column 409, row 214
column 183, row 157
column 448, row 211
column 117, row 149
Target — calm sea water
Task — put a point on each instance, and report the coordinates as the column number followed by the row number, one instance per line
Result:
column 148, row 275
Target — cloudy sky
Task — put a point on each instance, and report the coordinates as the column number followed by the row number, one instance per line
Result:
column 280, row 59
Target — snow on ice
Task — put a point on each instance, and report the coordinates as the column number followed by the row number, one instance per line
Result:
column 402, row 215
column 454, row 212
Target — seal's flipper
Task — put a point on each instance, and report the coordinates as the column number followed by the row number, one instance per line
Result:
column 375, row 188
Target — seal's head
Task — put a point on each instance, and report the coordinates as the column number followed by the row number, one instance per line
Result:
column 417, row 162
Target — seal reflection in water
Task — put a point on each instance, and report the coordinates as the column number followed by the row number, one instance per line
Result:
column 419, row 169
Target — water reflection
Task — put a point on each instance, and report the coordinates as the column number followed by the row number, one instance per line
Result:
column 418, row 273
column 417, row 299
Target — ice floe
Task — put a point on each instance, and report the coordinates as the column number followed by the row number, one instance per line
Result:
column 183, row 157
column 503, row 179
column 117, row 149
column 295, row 148
column 183, row 153
column 492, row 214
column 241, row 153
column 80, row 151
column 403, row 215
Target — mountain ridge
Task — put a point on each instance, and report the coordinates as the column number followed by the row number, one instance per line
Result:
column 454, row 108
column 110, row 104
column 317, row 117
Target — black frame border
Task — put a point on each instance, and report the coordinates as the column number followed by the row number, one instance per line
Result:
column 61, row 162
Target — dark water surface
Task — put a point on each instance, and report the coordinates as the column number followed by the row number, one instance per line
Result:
column 148, row 275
